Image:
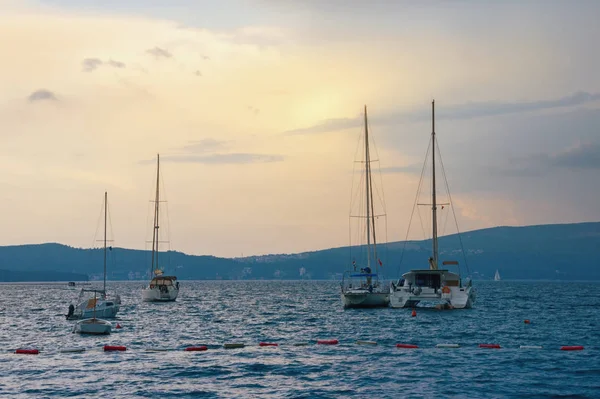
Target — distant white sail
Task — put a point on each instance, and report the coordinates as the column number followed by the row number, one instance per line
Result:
column 497, row 276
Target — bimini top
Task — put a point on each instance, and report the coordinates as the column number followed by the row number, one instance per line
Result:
column 163, row 280
column 429, row 271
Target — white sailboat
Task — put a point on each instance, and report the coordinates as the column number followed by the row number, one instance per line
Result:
column 92, row 326
column 161, row 288
column 436, row 285
column 364, row 287
column 87, row 307
column 497, row 276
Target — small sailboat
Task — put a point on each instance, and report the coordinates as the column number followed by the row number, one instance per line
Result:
column 497, row 276
column 103, row 306
column 161, row 288
column 433, row 284
column 364, row 288
column 92, row 326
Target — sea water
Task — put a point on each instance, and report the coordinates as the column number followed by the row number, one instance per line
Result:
column 294, row 312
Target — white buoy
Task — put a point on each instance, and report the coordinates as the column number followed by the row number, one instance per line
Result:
column 447, row 346
column 530, row 347
column 366, row 343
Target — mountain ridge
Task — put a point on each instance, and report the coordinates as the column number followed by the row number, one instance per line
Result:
column 550, row 251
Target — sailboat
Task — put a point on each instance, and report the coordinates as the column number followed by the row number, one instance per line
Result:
column 103, row 306
column 92, row 326
column 161, row 288
column 497, row 276
column 432, row 284
column 363, row 288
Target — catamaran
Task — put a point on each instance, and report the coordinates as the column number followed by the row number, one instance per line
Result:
column 364, row 287
column 433, row 284
column 91, row 307
column 161, row 288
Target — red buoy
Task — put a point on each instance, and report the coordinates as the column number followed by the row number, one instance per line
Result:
column 414, row 313
column 118, row 326
column 328, row 342
column 527, row 321
column 489, row 346
column 113, row 348
column 571, row 348
column 406, row 346
column 268, row 344
column 27, row 351
column 196, row 348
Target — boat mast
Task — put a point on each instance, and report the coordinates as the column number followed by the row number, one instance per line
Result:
column 367, row 183
column 105, row 217
column 434, row 264
column 155, row 229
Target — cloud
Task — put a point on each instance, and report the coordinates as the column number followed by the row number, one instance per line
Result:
column 91, row 64
column 220, row 159
column 203, row 146
column 198, row 73
column 116, row 64
column 463, row 111
column 41, row 95
column 159, row 52
column 581, row 156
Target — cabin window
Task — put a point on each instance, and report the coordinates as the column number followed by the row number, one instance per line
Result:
column 427, row 280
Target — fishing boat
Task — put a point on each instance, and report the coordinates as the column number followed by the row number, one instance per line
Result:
column 362, row 286
column 161, row 288
column 101, row 305
column 497, row 276
column 92, row 326
column 441, row 287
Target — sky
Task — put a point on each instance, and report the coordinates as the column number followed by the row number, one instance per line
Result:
column 255, row 108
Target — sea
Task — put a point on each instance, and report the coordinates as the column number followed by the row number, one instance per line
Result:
column 295, row 314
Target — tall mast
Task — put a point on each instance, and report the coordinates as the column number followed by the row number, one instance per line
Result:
column 367, row 183
column 105, row 217
column 434, row 265
column 156, row 208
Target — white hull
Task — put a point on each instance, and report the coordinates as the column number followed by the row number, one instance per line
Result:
column 104, row 308
column 365, row 299
column 93, row 327
column 155, row 294
column 457, row 298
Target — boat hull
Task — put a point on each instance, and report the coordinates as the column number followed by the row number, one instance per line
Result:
column 92, row 327
column 458, row 298
column 365, row 299
column 91, row 308
column 157, row 295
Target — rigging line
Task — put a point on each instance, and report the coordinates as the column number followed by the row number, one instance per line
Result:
column 413, row 210
column 168, row 233
column 382, row 194
column 352, row 198
column 454, row 213
column 98, row 223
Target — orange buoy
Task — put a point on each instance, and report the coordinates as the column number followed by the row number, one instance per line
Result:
column 414, row 313
column 114, row 348
column 406, row 346
column 268, row 344
column 489, row 346
column 571, row 348
column 27, row 351
column 118, row 326
column 196, row 348
column 527, row 321
column 327, row 342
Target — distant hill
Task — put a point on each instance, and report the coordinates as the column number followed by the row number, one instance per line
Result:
column 560, row 251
